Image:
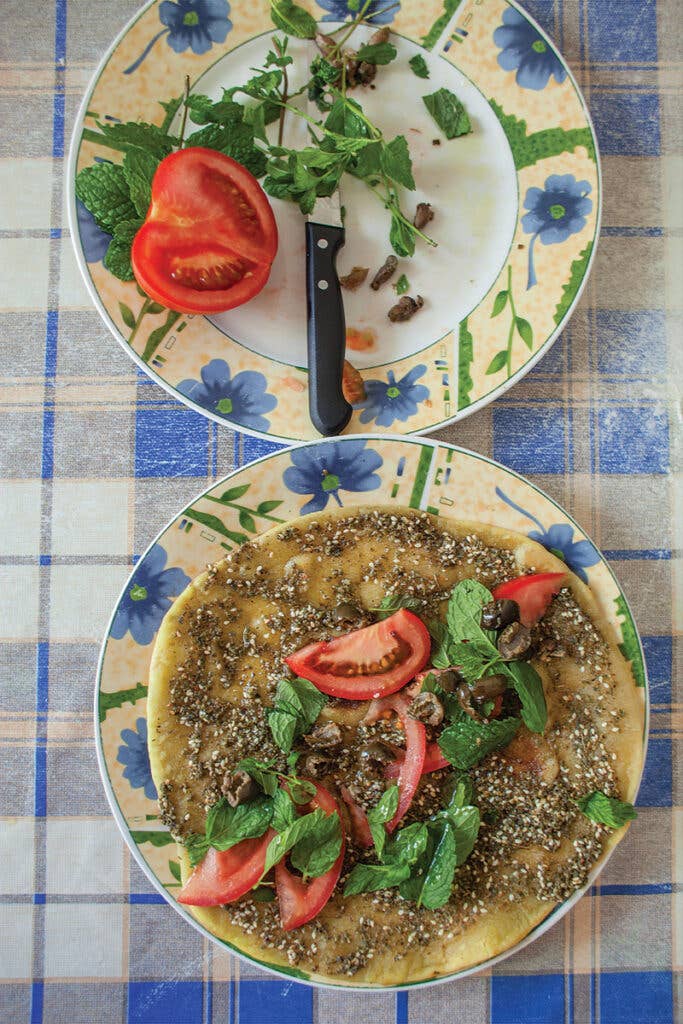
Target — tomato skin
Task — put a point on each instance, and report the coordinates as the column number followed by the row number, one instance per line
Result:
column 532, row 593
column 224, row 876
column 402, row 633
column 209, row 237
column 359, row 819
column 409, row 766
column 434, row 760
column 301, row 901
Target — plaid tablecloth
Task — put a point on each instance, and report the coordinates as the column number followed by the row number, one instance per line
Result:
column 83, row 937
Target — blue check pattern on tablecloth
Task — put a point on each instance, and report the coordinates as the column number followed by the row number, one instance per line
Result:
column 83, row 937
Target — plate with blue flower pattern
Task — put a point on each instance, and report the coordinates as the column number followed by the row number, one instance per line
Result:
column 349, row 471
column 516, row 201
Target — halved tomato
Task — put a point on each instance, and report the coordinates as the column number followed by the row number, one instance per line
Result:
column 225, row 875
column 532, row 593
column 210, row 236
column 300, row 901
column 369, row 662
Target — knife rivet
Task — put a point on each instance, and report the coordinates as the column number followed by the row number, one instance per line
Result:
column 322, row 285
column 322, row 243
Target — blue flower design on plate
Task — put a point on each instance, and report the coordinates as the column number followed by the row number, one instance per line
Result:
column 559, row 540
column 325, row 470
column 190, row 25
column 555, row 212
column 340, row 10
column 240, row 399
column 133, row 754
column 523, row 50
column 389, row 400
column 94, row 240
column 148, row 597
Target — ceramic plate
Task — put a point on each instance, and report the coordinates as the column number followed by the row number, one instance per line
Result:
column 517, row 215
column 349, row 471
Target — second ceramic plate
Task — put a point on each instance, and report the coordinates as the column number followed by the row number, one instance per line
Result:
column 517, row 214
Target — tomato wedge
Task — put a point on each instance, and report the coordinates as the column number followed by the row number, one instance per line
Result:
column 370, row 662
column 408, row 767
column 210, row 236
column 532, row 593
column 300, row 901
column 359, row 819
column 434, row 760
column 224, row 876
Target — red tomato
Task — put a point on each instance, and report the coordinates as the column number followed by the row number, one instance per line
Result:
column 434, row 760
column 209, row 238
column 369, row 662
column 532, row 593
column 224, row 876
column 300, row 901
column 411, row 763
column 359, row 819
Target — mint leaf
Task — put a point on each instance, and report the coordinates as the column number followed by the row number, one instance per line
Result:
column 475, row 659
column 419, row 66
column 297, row 705
column 117, row 256
column 370, row 877
column 284, row 810
column 262, row 773
column 319, row 848
column 378, row 816
column 466, row 742
column 448, row 113
column 138, row 134
column 345, row 118
column 408, row 845
column 283, row 725
column 464, row 611
column 103, row 189
column 203, row 110
column 465, row 822
column 281, row 844
column 606, row 810
column 436, row 883
column 368, row 161
column 292, row 19
column 226, row 826
column 401, row 237
column 402, row 285
column 392, row 603
column 139, row 167
column 377, row 53
column 236, row 141
column 396, row 163
column 529, row 687
column 440, row 643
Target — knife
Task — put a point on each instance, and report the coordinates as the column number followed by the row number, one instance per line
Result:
column 329, row 410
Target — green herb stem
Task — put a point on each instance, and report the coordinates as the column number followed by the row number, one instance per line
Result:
column 181, row 141
column 391, row 204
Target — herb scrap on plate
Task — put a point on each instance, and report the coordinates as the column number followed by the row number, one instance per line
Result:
column 342, row 140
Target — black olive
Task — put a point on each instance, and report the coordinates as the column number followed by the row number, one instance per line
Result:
column 317, row 765
column 464, row 695
column 489, row 688
column 498, row 614
column 346, row 612
column 449, row 680
column 239, row 787
column 427, row 708
column 326, row 736
column 514, row 642
column 377, row 753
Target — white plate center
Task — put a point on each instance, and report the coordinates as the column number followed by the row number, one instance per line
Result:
column 470, row 182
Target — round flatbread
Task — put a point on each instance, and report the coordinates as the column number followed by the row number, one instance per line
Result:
column 216, row 663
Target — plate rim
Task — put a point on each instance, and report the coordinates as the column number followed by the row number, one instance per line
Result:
column 460, row 414
column 293, row 973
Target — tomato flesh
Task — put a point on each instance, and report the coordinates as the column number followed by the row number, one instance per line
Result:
column 370, row 662
column 532, row 593
column 434, row 760
column 209, row 237
column 225, row 875
column 301, row 901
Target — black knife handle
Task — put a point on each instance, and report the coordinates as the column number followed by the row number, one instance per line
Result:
column 330, row 412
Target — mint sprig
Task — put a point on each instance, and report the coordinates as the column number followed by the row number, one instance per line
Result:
column 297, row 706
column 227, row 826
column 606, row 810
